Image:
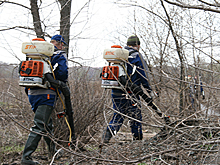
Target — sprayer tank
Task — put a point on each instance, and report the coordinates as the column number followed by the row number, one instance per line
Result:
column 38, row 47
column 115, row 54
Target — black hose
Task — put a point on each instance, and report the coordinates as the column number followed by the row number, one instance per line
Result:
column 135, row 89
column 138, row 91
column 66, row 92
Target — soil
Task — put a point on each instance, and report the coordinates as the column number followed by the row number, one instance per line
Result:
column 123, row 150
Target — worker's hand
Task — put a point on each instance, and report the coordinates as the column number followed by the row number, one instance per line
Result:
column 152, row 95
column 157, row 94
column 64, row 88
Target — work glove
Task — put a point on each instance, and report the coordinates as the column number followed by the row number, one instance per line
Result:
column 157, row 94
column 63, row 87
column 152, row 95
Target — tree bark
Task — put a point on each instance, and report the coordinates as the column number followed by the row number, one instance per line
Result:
column 179, row 52
column 36, row 19
column 65, row 21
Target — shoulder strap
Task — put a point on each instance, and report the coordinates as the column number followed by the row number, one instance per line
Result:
column 133, row 51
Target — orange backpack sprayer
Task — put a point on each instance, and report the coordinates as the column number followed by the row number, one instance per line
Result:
column 115, row 76
column 117, row 58
column 32, row 72
column 37, row 71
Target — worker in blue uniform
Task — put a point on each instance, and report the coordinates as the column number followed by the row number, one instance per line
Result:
column 43, row 101
column 136, row 71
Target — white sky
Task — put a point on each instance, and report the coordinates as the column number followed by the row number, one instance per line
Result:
column 104, row 23
column 97, row 23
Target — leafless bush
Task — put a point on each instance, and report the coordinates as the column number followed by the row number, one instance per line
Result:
column 193, row 137
column 88, row 101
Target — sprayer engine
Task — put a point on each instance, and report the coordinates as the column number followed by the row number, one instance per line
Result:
column 117, row 58
column 32, row 71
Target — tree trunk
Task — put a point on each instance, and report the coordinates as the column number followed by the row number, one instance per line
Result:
column 179, row 52
column 36, row 19
column 65, row 20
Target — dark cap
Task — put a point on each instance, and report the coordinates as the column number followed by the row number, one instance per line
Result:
column 133, row 41
column 58, row 38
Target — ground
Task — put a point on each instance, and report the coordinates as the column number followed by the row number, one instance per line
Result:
column 122, row 138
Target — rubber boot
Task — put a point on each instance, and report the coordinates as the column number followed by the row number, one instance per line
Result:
column 28, row 161
column 50, row 146
column 30, row 147
column 49, row 142
column 41, row 119
column 107, row 136
column 52, row 149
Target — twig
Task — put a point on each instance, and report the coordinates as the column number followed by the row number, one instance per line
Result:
column 55, row 156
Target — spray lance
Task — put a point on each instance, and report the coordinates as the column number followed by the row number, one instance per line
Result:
column 38, row 72
column 67, row 107
column 115, row 75
column 137, row 90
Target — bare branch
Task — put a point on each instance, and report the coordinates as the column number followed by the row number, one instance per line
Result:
column 15, row 4
column 199, row 7
column 15, row 27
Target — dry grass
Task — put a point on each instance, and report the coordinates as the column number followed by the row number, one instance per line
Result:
column 195, row 144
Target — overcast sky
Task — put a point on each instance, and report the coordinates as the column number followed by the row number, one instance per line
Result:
column 103, row 23
column 93, row 30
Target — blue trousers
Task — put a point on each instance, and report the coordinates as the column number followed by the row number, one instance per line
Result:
column 130, row 108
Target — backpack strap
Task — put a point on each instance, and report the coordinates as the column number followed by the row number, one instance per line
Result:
column 131, row 52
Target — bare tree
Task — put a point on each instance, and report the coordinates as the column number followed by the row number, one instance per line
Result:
column 36, row 19
column 177, row 39
column 199, row 5
column 65, row 13
column 179, row 51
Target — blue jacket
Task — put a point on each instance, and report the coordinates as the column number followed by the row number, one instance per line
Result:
column 40, row 96
column 61, row 71
column 138, row 77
